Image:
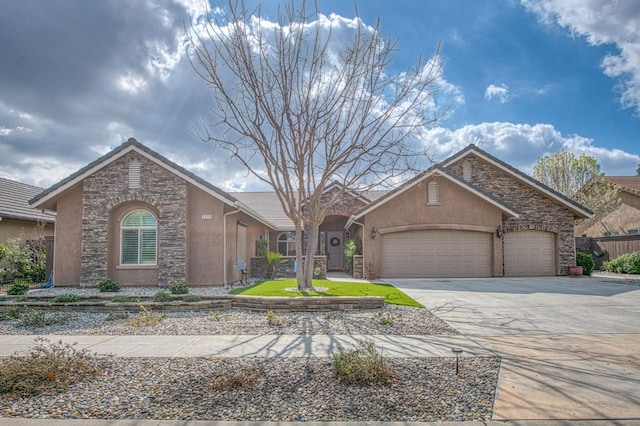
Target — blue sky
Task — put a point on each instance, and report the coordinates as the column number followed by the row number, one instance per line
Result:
column 521, row 78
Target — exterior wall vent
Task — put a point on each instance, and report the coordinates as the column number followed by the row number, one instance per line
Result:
column 466, row 170
column 433, row 193
column 134, row 174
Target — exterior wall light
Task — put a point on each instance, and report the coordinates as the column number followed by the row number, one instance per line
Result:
column 373, row 233
column 499, row 232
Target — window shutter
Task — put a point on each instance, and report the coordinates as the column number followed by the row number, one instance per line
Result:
column 130, row 246
column 147, row 246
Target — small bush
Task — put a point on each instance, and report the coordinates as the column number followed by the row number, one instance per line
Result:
column 626, row 264
column 66, row 298
column 215, row 316
column 231, row 378
column 274, row 319
column 11, row 313
column 124, row 299
column 146, row 318
column 47, row 366
column 18, row 288
column 117, row 316
column 21, row 298
column 362, row 366
column 37, row 319
column 179, row 287
column 108, row 286
column 191, row 298
column 162, row 296
column 385, row 318
column 586, row 261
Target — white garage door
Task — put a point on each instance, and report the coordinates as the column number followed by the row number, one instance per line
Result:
column 529, row 254
column 436, row 253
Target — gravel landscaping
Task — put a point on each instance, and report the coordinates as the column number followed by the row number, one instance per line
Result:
column 274, row 389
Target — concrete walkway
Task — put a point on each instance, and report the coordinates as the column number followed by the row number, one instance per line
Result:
column 570, row 348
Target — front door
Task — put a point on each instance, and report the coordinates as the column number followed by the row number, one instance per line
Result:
column 334, row 250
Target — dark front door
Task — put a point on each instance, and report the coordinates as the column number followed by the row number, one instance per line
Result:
column 334, row 250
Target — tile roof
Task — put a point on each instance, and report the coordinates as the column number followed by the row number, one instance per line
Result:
column 14, row 202
column 626, row 183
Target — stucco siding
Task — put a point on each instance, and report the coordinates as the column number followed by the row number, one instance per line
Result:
column 24, row 230
column 625, row 217
column 68, row 235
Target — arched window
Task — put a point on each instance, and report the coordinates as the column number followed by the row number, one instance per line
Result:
column 139, row 238
column 433, row 193
column 287, row 243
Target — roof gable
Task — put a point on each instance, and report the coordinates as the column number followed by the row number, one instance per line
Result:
column 578, row 209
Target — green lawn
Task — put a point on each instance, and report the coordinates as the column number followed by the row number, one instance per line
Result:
column 335, row 288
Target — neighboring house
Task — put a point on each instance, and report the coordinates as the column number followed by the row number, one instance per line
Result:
column 619, row 218
column 138, row 218
column 17, row 218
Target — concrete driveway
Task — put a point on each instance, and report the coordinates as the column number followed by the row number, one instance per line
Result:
column 570, row 346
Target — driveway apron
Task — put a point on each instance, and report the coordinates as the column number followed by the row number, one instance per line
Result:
column 570, row 347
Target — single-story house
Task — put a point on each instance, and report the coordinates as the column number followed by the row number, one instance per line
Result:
column 138, row 218
column 17, row 218
column 617, row 219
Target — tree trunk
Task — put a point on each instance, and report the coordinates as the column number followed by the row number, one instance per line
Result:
column 307, row 271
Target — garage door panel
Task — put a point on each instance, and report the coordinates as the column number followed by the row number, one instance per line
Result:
column 436, row 253
column 529, row 254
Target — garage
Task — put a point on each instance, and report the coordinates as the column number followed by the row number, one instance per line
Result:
column 436, row 253
column 529, row 254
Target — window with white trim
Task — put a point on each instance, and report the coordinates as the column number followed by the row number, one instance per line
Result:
column 433, row 193
column 139, row 238
column 287, row 244
column 633, row 232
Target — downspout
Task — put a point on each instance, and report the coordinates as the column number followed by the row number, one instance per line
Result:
column 224, row 245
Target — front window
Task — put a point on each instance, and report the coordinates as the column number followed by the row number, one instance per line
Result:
column 139, row 238
column 612, row 234
column 287, row 244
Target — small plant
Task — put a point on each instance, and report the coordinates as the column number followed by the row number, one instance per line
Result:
column 117, row 316
column 274, row 319
column 179, row 287
column 231, row 378
column 146, row 318
column 12, row 313
column 124, row 299
column 214, row 316
column 271, row 260
column 2, row 298
column 21, row 299
column 362, row 366
column 38, row 319
column 352, row 247
column 385, row 318
column 18, row 288
column 162, row 296
column 586, row 261
column 191, row 298
column 108, row 286
column 47, row 367
column 66, row 298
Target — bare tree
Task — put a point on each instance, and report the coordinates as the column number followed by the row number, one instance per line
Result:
column 303, row 105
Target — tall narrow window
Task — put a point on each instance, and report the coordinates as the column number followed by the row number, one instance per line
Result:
column 134, row 174
column 433, row 193
column 466, row 170
column 139, row 238
column 287, row 244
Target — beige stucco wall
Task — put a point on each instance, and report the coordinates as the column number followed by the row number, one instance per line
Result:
column 25, row 230
column 254, row 230
column 458, row 209
column 68, row 235
column 626, row 216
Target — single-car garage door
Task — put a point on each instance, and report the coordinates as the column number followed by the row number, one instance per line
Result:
column 529, row 254
column 436, row 253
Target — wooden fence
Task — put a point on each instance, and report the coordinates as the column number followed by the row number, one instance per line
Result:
column 607, row 248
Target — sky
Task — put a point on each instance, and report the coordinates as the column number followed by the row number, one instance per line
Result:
column 520, row 79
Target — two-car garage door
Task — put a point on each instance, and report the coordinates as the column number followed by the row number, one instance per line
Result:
column 436, row 253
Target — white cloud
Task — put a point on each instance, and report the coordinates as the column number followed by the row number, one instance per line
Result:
column 520, row 145
column 603, row 22
column 499, row 92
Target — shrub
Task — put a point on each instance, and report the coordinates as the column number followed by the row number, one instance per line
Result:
column 274, row 319
column 21, row 298
column 108, row 286
column 262, row 247
column 18, row 288
column 116, row 316
column 179, row 287
column 233, row 378
column 27, row 259
column 162, row 296
column 271, row 260
column 352, row 246
column 586, row 261
column 66, row 298
column 190, row 298
column 146, row 318
column 47, row 366
column 385, row 318
column 362, row 366
column 37, row 318
column 11, row 313
column 626, row 264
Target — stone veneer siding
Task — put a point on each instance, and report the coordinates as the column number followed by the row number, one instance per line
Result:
column 108, row 188
column 537, row 212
